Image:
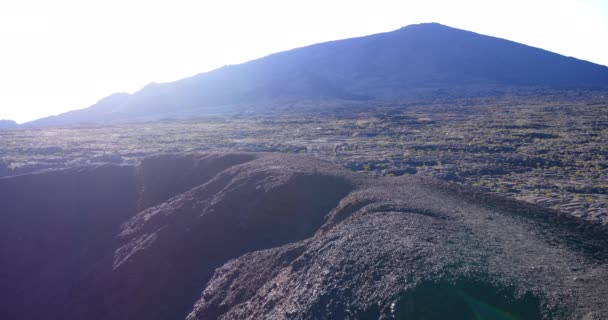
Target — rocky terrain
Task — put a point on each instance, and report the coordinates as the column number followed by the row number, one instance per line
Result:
column 277, row 236
column 547, row 148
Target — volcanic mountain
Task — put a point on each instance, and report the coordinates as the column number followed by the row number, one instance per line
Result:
column 412, row 61
column 8, row 124
column 276, row 236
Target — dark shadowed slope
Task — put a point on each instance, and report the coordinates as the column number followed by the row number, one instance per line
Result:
column 262, row 236
column 59, row 227
column 382, row 66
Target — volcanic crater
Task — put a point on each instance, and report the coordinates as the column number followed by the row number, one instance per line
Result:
column 277, row 236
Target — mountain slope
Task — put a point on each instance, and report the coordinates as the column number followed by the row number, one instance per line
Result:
column 381, row 66
column 8, row 124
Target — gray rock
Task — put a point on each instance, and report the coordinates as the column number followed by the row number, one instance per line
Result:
column 268, row 236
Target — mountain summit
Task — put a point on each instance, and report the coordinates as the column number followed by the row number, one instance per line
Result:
column 380, row 67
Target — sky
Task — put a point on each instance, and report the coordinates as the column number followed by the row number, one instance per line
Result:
column 62, row 55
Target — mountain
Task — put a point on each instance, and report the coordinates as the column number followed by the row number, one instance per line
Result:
column 8, row 124
column 378, row 67
column 277, row 236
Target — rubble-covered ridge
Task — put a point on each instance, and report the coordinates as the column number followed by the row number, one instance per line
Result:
column 276, row 236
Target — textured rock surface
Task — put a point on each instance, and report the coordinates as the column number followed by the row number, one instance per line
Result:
column 397, row 235
column 264, row 236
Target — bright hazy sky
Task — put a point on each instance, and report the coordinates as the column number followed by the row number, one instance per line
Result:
column 62, row 55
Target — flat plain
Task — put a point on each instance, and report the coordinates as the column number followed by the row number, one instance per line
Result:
column 549, row 148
